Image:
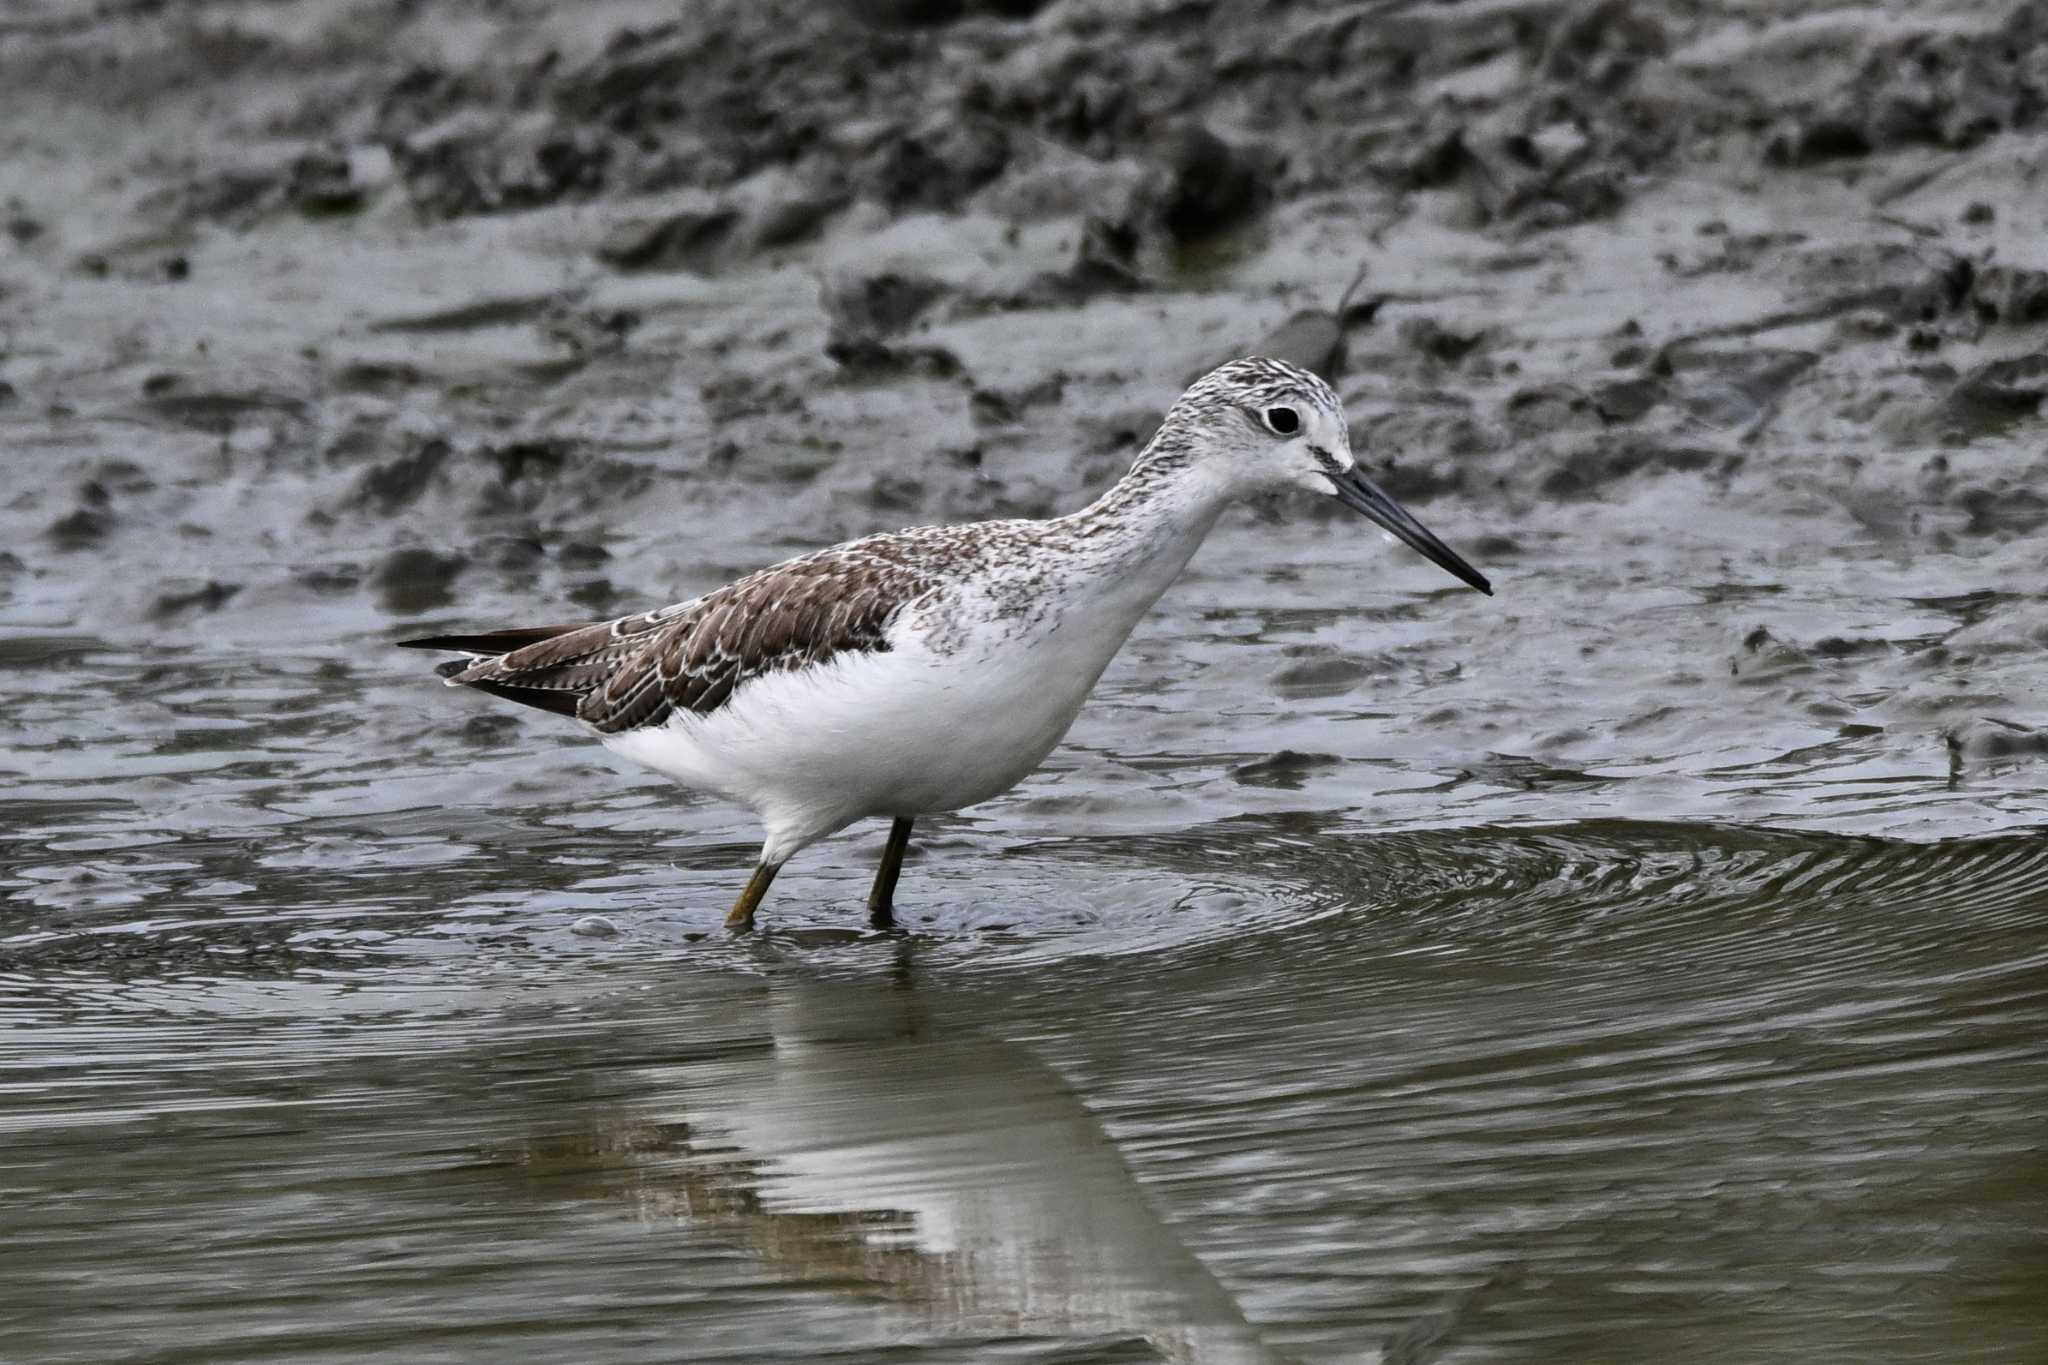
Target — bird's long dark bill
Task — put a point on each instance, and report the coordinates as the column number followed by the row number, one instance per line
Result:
column 1361, row 494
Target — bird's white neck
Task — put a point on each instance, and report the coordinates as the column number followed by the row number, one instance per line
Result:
column 1134, row 540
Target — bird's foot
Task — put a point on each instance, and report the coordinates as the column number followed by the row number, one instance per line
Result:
column 741, row 917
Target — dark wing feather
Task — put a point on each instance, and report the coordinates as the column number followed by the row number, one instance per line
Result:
column 491, row 641
column 639, row 670
column 795, row 615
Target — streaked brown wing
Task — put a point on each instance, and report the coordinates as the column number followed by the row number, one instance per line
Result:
column 796, row 615
column 639, row 670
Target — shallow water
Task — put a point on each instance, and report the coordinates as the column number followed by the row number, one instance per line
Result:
column 308, row 1049
column 1656, row 1089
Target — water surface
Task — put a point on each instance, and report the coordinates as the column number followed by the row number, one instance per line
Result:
column 307, row 1051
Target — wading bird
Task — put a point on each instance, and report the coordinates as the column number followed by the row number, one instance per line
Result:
column 926, row 670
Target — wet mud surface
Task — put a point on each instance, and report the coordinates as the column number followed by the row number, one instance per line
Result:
column 1644, row 962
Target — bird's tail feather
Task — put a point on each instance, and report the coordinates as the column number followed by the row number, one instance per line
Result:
column 554, row 679
column 490, row 643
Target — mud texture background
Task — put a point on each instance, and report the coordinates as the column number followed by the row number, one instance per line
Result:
column 1715, row 331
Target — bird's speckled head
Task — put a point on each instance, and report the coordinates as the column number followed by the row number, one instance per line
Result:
column 1257, row 425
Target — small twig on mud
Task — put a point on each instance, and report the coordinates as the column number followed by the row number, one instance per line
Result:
column 1908, row 225
column 1344, row 299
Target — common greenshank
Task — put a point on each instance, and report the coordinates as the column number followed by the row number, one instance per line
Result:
column 926, row 670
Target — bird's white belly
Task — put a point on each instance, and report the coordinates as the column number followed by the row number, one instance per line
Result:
column 901, row 733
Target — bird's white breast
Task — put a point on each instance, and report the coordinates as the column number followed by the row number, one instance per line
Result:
column 911, row 730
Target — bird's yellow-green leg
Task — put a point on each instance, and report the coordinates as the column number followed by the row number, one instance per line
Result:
column 881, row 900
column 742, row 916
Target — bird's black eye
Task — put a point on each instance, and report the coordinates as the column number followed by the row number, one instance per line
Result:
column 1286, row 421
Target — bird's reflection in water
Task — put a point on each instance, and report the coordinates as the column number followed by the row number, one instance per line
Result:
column 883, row 1146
